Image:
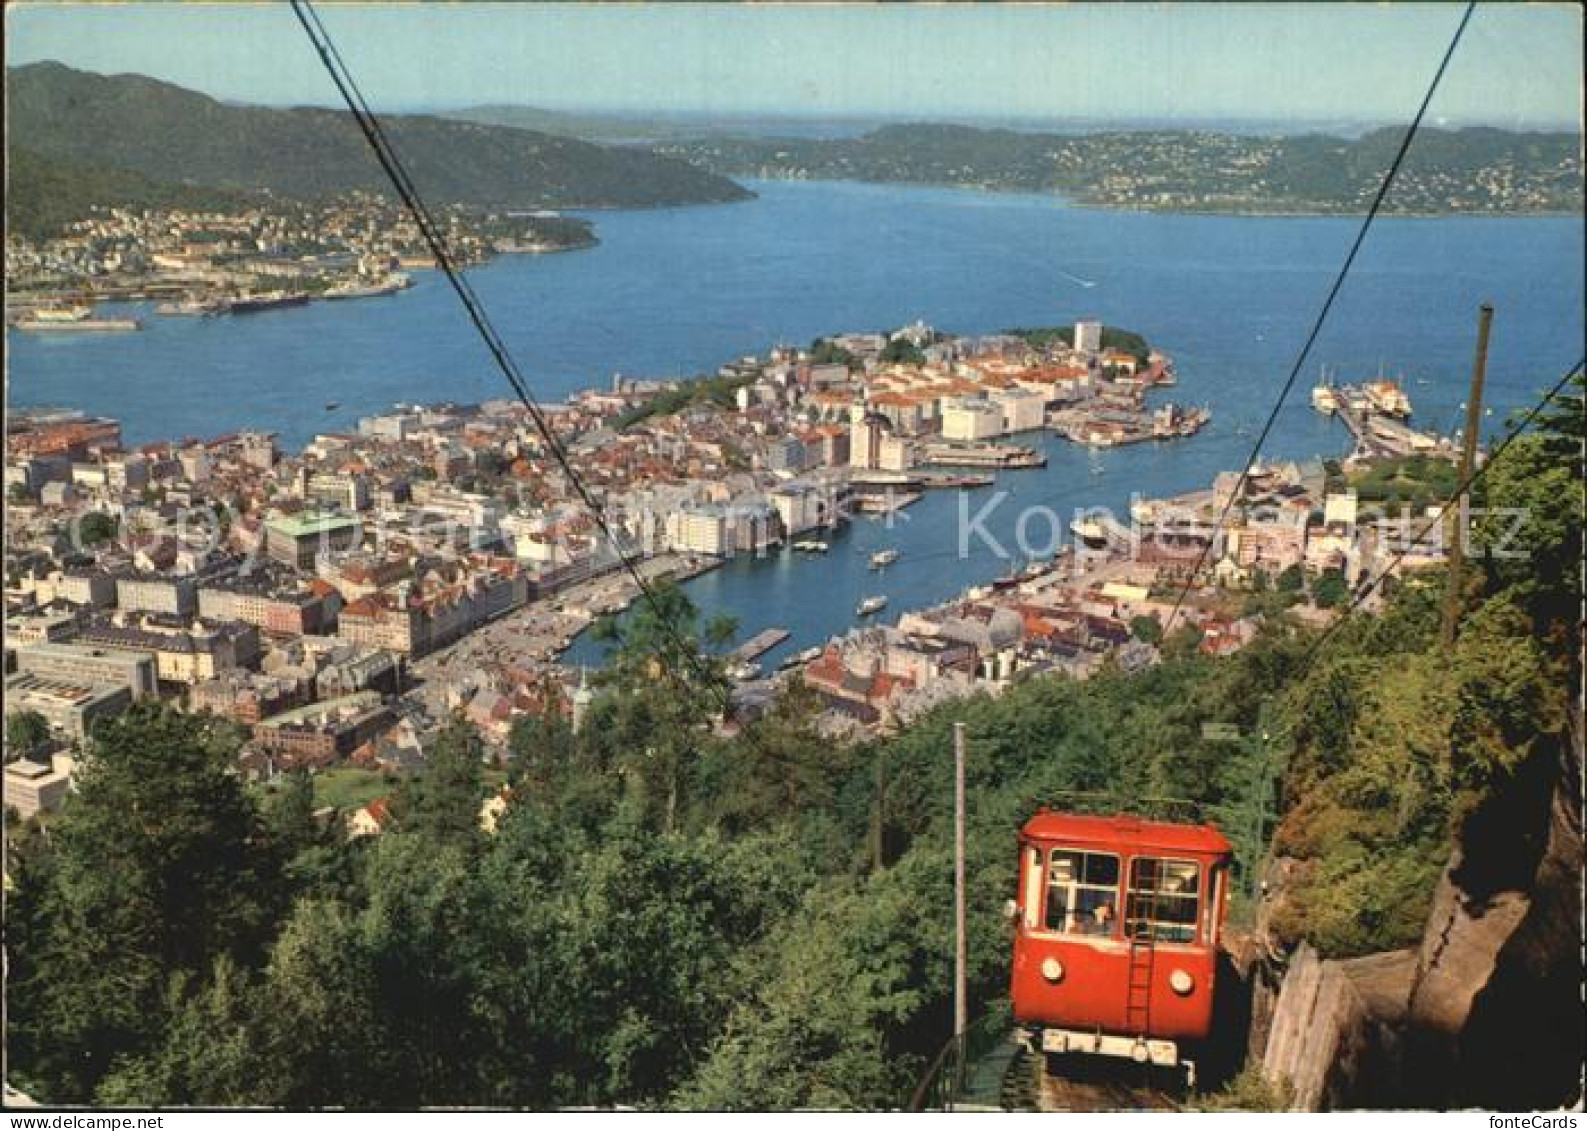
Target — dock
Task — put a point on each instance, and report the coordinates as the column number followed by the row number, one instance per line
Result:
column 1380, row 435
column 759, row 644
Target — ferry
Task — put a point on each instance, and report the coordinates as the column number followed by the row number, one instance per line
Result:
column 1324, row 397
column 883, row 558
column 1387, row 398
column 871, row 605
column 73, row 319
column 192, row 308
column 275, row 300
column 390, row 285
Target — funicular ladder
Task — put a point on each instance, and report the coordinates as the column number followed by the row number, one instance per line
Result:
column 1143, row 957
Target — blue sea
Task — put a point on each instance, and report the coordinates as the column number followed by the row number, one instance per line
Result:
column 677, row 292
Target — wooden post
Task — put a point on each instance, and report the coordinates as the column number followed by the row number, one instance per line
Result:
column 1468, row 457
column 961, row 961
column 877, row 813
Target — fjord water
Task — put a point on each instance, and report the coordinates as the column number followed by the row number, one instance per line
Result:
column 677, row 292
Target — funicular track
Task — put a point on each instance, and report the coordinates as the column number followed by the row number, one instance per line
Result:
column 999, row 1072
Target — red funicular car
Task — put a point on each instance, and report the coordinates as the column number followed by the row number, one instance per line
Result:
column 1117, row 925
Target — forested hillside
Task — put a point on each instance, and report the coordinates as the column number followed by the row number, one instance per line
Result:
column 667, row 917
column 44, row 194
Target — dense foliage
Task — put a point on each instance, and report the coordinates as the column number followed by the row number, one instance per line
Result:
column 1113, row 338
column 714, row 392
column 669, row 915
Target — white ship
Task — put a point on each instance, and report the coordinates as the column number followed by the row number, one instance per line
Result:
column 390, row 285
column 811, row 546
column 1324, row 397
column 883, row 558
column 73, row 319
column 871, row 605
column 1387, row 398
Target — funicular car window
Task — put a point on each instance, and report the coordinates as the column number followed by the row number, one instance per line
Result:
column 1163, row 899
column 1082, row 892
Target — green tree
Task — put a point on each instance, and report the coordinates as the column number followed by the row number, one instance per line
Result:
column 26, row 730
column 155, row 873
column 1146, row 629
column 441, row 803
column 97, row 527
column 1330, row 591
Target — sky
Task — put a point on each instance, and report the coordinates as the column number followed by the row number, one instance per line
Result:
column 1519, row 64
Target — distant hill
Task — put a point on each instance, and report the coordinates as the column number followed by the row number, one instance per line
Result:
column 1467, row 170
column 169, row 135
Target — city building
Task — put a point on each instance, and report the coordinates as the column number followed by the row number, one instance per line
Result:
column 152, row 593
column 70, row 708
column 301, row 539
column 33, row 787
column 89, row 665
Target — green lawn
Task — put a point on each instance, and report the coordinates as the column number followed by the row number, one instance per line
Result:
column 1415, row 481
column 349, row 787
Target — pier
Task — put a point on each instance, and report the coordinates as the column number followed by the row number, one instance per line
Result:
column 1379, row 435
column 759, row 644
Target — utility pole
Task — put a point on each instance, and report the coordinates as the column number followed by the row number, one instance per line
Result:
column 961, row 958
column 877, row 812
column 1468, row 457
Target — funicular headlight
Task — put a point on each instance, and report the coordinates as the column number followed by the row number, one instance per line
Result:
column 1052, row 969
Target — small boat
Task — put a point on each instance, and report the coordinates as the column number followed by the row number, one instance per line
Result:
column 871, row 605
column 883, row 558
column 1090, row 532
column 331, row 406
column 800, row 659
column 812, row 546
column 190, row 307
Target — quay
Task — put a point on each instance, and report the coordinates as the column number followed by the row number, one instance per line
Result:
column 1380, row 433
column 759, row 644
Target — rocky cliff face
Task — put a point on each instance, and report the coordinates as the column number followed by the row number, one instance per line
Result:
column 1486, row 1012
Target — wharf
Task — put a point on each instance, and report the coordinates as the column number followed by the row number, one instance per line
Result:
column 759, row 644
column 1380, row 436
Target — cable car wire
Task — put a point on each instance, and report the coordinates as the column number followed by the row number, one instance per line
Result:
column 1327, row 306
column 391, row 163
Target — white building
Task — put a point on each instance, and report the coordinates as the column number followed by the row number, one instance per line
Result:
column 701, row 530
column 971, row 419
column 1023, row 411
column 1088, row 335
